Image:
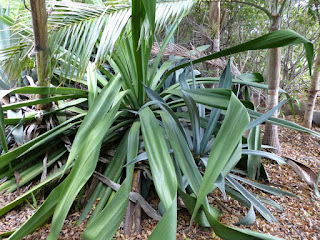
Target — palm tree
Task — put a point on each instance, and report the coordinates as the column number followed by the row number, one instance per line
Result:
column 107, row 47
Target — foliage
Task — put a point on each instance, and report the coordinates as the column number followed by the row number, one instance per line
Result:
column 126, row 109
column 251, row 22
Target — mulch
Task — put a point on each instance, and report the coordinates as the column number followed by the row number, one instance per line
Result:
column 299, row 218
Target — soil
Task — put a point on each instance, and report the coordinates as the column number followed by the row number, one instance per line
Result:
column 299, row 218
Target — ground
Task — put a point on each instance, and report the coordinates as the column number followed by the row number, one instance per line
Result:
column 299, row 218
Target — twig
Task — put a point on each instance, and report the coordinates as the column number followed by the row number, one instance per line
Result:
column 222, row 205
column 25, row 5
column 302, row 238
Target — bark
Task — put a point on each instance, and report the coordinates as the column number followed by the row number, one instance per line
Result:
column 41, row 47
column 312, row 93
column 274, row 63
column 215, row 25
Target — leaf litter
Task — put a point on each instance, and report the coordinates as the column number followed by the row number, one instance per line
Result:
column 299, row 218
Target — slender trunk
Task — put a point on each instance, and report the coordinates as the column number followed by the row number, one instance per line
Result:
column 312, row 93
column 41, row 48
column 274, row 63
column 215, row 25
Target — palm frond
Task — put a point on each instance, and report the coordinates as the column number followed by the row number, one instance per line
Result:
column 81, row 32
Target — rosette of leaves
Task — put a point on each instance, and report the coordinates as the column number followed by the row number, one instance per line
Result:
column 126, row 109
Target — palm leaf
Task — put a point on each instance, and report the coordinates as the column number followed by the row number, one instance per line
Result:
column 77, row 29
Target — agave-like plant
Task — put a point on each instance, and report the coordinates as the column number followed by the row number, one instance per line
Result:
column 126, row 108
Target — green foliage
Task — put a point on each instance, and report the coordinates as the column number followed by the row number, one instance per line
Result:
column 113, row 214
column 128, row 110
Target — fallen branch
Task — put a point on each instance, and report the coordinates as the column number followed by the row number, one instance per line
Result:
column 133, row 196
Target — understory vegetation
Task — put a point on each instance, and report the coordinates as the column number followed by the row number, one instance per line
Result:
column 116, row 105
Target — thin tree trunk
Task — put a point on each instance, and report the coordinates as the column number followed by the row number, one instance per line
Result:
column 41, row 47
column 274, row 63
column 215, row 25
column 312, row 93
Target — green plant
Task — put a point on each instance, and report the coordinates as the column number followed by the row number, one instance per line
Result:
column 132, row 112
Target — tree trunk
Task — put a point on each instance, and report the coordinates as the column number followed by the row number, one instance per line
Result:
column 312, row 93
column 274, row 63
column 41, row 48
column 215, row 25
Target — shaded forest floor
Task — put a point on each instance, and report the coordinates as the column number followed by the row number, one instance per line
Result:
column 299, row 218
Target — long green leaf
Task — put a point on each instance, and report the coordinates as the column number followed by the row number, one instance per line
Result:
column 181, row 152
column 32, row 102
column 228, row 138
column 138, row 15
column 113, row 172
column 231, row 233
column 266, row 115
column 42, row 214
column 263, row 187
column 112, row 215
column 92, row 83
column 167, row 227
column 275, row 39
column 254, row 161
column 251, row 77
column 44, row 91
column 162, row 168
column 212, row 80
column 256, row 203
column 234, row 159
column 156, row 75
column 31, row 115
column 46, row 137
column 21, row 198
column 28, row 174
column 82, row 170
column 283, row 123
column 163, row 173
column 195, row 121
column 200, row 218
column 269, row 155
column 3, row 131
column 224, row 82
column 218, row 98
column 100, row 107
column 249, row 218
column 107, row 222
column 162, row 104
